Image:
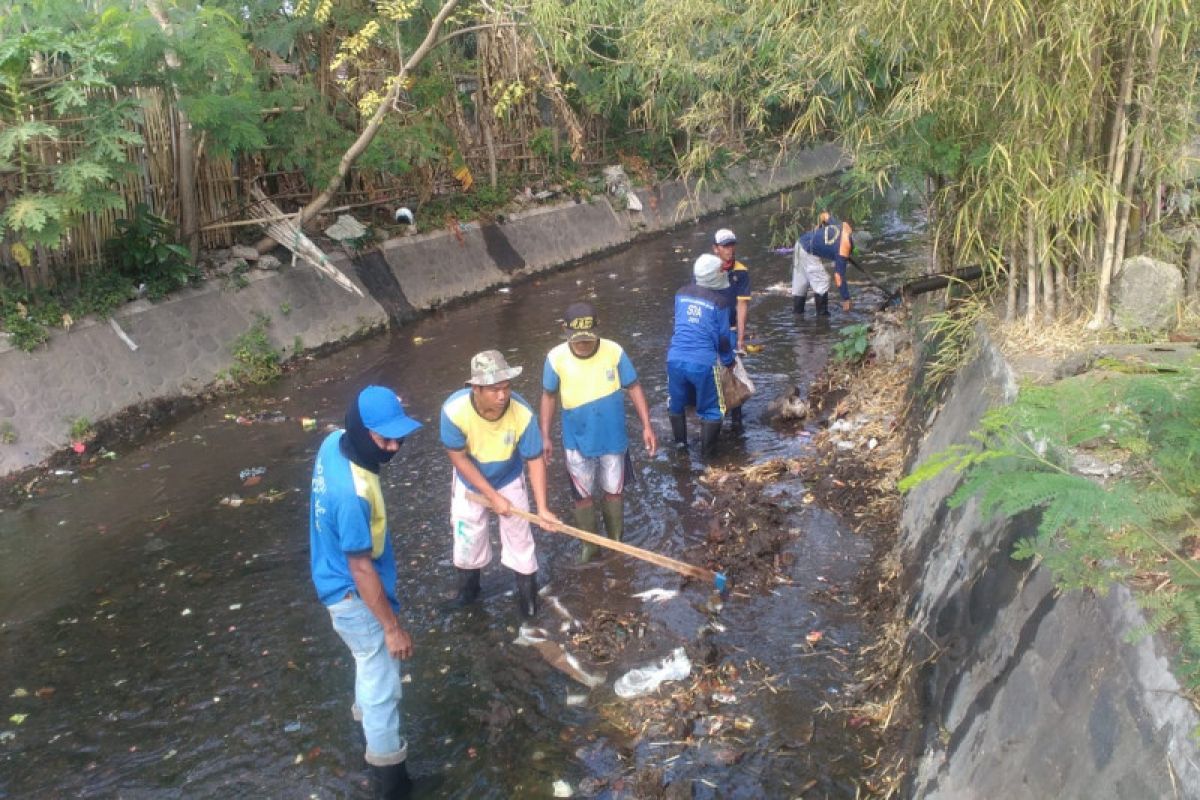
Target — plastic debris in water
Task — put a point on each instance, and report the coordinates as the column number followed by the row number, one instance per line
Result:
column 644, row 680
column 252, row 472
column 656, row 595
column 562, row 789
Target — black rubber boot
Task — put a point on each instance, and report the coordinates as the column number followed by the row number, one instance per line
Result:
column 798, row 303
column 822, row 303
column 585, row 519
column 679, row 429
column 710, row 431
column 392, row 782
column 613, row 509
column 735, row 420
column 527, row 594
column 468, row 588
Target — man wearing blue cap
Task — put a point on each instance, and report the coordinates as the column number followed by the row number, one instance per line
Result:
column 354, row 572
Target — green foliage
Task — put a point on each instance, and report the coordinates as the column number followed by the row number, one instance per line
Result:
column 854, row 343
column 8, row 434
column 951, row 336
column 81, row 429
column 1139, row 525
column 256, row 361
column 144, row 253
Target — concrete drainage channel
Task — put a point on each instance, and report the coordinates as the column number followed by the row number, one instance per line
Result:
column 182, row 343
column 1026, row 692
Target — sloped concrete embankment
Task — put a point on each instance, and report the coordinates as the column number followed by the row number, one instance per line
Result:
column 1025, row 692
column 184, row 343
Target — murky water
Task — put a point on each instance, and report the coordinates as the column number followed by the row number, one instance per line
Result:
column 157, row 643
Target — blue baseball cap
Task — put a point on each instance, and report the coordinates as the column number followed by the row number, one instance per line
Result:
column 382, row 413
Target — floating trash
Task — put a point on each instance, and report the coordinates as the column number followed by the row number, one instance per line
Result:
column 644, row 680
column 656, row 595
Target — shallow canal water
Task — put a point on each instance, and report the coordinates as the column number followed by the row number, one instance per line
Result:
column 158, row 643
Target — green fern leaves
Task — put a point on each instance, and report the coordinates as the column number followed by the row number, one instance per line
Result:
column 1132, row 519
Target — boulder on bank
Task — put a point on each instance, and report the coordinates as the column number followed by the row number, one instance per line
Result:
column 1146, row 294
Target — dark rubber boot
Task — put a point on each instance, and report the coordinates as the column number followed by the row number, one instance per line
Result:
column 468, row 588
column 798, row 304
column 527, row 594
column 585, row 519
column 392, row 782
column 613, row 509
column 679, row 429
column 710, row 431
column 735, row 420
column 822, row 303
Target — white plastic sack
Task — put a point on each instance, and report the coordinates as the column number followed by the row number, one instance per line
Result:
column 739, row 372
column 644, row 680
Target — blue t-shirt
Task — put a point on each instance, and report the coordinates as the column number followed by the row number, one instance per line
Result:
column 739, row 289
column 701, row 327
column 495, row 447
column 589, row 389
column 346, row 515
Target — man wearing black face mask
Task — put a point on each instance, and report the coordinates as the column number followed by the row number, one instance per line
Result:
column 354, row 572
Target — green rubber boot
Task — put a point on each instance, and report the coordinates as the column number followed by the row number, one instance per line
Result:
column 613, row 509
column 585, row 520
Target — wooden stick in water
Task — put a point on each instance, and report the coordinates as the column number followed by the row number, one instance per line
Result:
column 717, row 579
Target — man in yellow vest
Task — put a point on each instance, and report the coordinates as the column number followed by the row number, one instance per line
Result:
column 587, row 375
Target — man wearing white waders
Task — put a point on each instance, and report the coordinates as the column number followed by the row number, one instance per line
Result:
column 354, row 573
column 490, row 434
column 700, row 345
column 831, row 240
column 587, row 375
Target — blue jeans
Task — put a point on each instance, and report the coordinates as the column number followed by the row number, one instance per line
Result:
column 690, row 384
column 377, row 690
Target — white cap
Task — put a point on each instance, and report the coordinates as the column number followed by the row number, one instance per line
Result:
column 724, row 236
column 708, row 273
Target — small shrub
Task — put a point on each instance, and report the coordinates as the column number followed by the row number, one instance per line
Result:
column 8, row 434
column 81, row 429
column 144, row 252
column 854, row 344
column 256, row 361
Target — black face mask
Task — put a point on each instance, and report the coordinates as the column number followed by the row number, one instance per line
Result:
column 357, row 444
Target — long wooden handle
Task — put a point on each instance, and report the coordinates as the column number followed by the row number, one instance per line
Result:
column 692, row 571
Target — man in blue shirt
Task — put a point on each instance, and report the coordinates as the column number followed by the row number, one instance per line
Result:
column 831, row 240
column 490, row 434
column 354, row 573
column 699, row 347
column 588, row 374
column 724, row 245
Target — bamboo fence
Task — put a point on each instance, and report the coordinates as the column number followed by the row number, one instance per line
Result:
column 223, row 183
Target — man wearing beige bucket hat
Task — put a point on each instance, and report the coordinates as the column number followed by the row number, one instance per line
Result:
column 490, row 433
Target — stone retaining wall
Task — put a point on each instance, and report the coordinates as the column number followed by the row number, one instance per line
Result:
column 184, row 342
column 1028, row 693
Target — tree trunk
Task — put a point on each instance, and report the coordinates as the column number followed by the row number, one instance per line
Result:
column 365, row 138
column 185, row 151
column 1047, row 265
column 1116, row 172
column 1010, row 311
column 1193, row 265
column 1031, row 273
column 1129, row 185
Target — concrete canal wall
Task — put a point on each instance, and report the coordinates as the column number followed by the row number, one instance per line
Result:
column 1028, row 693
column 184, row 343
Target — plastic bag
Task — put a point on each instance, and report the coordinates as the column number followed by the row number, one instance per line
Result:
column 644, row 680
column 736, row 386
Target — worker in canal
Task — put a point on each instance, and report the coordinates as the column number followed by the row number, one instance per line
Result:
column 831, row 240
column 354, row 572
column 738, row 294
column 491, row 433
column 700, row 345
column 588, row 376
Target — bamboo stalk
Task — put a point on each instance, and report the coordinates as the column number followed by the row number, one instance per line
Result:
column 690, row 570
